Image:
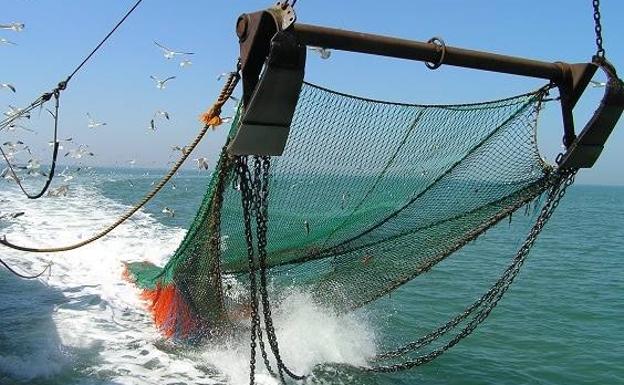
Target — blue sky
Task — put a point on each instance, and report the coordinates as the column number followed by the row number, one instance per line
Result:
column 115, row 86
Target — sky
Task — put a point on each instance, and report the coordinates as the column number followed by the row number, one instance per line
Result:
column 115, row 86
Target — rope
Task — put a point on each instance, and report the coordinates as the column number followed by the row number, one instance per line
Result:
column 103, row 40
column 54, row 158
column 40, row 101
column 211, row 119
column 14, row 272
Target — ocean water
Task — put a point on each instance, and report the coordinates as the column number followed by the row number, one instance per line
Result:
column 81, row 323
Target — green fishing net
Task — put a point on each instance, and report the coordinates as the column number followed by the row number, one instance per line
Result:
column 366, row 196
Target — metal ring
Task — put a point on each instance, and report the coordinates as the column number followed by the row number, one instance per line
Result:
column 438, row 42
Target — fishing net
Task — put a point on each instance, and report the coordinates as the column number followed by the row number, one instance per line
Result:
column 367, row 195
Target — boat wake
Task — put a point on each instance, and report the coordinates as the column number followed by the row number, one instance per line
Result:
column 81, row 323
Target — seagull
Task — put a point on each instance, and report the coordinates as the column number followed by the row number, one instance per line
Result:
column 15, row 126
column 7, row 85
column 93, row 123
column 12, row 150
column 169, row 53
column 79, row 152
column 323, row 52
column 6, row 41
column 202, row 163
column 186, row 63
column 168, row 211
column 6, row 174
column 164, row 114
column 60, row 147
column 16, row 112
column 596, row 84
column 33, row 166
column 60, row 191
column 131, row 162
column 224, row 75
column 12, row 146
column 16, row 27
column 160, row 84
column 183, row 150
column 66, row 177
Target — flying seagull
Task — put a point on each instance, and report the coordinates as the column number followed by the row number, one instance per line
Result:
column 164, row 114
column 14, row 126
column 596, row 84
column 60, row 147
column 7, row 85
column 186, row 63
column 183, row 150
column 159, row 113
column 6, row 41
column 15, row 112
column 93, row 123
column 324, row 53
column 16, row 27
column 160, row 84
column 169, row 53
column 202, row 163
column 79, row 152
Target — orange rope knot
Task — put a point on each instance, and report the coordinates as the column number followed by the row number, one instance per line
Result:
column 211, row 117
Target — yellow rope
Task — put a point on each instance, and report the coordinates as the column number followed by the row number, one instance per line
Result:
column 211, row 119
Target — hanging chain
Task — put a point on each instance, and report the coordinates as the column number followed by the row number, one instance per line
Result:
column 600, row 51
column 246, row 200
column 254, row 194
column 481, row 308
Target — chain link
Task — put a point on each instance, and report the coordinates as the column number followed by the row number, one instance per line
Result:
column 254, row 194
column 481, row 308
column 246, row 200
column 600, row 52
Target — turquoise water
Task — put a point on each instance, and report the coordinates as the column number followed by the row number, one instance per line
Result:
column 560, row 323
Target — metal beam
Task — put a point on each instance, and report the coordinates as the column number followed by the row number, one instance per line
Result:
column 343, row 40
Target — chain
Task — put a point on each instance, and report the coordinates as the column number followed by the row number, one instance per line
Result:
column 481, row 308
column 254, row 194
column 246, row 200
column 600, row 52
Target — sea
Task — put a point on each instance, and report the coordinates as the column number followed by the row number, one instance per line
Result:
column 81, row 323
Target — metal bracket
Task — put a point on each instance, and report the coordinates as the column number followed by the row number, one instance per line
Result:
column 575, row 78
column 272, row 64
column 585, row 150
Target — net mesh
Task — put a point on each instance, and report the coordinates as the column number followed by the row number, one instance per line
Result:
column 367, row 195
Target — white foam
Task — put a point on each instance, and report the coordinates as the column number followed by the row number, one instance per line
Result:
column 308, row 334
column 105, row 325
